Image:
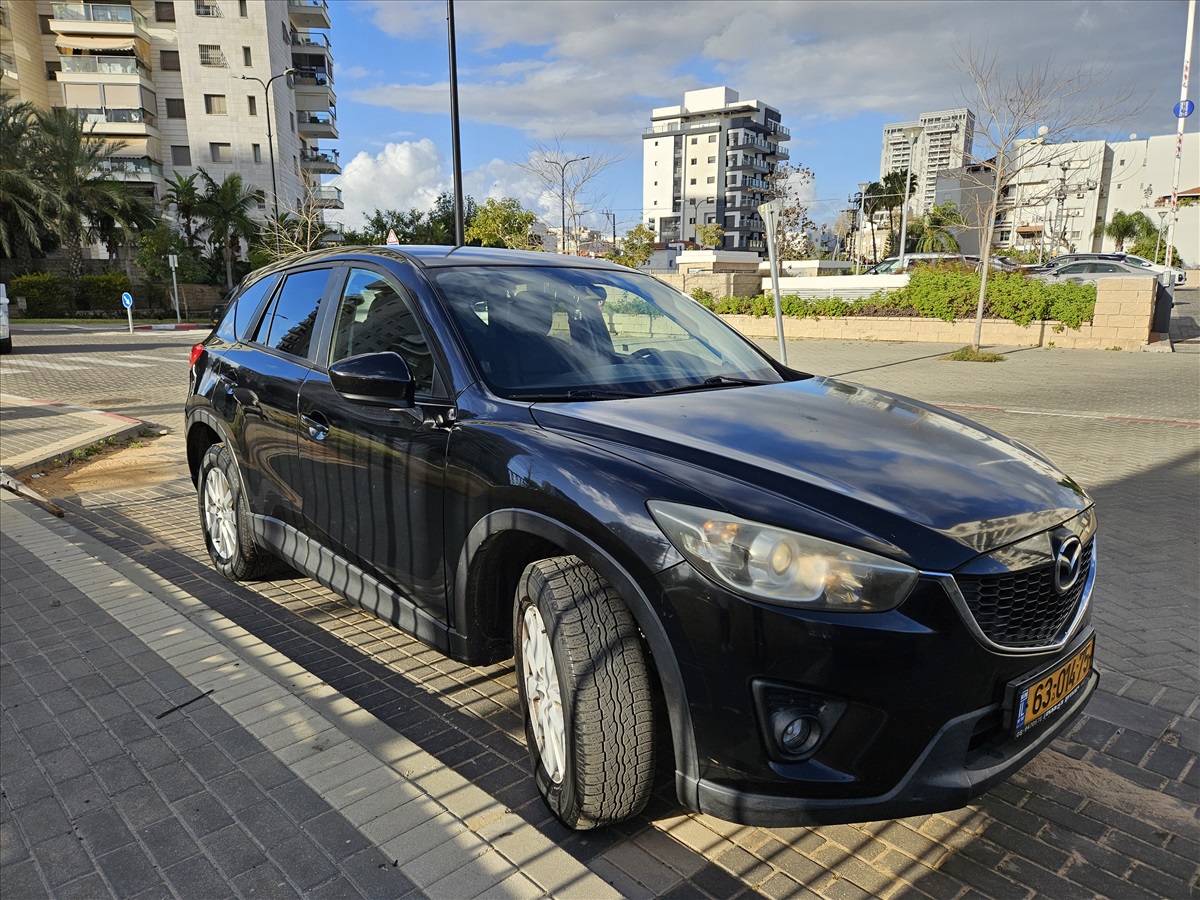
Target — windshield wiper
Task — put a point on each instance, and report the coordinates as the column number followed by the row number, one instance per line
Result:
column 576, row 394
column 711, row 381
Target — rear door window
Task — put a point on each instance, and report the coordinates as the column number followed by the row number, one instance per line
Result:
column 289, row 322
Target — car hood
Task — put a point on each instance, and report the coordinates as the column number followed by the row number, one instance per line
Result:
column 840, row 460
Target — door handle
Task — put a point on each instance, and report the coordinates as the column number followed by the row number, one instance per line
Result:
column 316, row 424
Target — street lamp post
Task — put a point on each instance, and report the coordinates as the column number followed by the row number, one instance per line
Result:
column 266, row 86
column 695, row 203
column 911, row 133
column 862, row 205
column 562, row 194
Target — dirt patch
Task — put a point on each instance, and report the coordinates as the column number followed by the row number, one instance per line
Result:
column 145, row 462
column 1111, row 790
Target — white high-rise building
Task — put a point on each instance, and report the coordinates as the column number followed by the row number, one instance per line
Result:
column 944, row 143
column 705, row 161
column 165, row 77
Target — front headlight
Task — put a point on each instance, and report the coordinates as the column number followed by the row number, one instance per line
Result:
column 780, row 566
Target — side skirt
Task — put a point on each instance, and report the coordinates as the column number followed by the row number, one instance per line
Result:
column 351, row 582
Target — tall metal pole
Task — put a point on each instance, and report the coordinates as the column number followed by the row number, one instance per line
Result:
column 562, row 193
column 1183, row 96
column 456, row 147
column 912, row 134
column 266, row 86
column 862, row 205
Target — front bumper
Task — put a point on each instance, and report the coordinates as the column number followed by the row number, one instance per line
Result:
column 948, row 775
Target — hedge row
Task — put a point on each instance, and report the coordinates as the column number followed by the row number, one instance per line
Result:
column 99, row 295
column 936, row 293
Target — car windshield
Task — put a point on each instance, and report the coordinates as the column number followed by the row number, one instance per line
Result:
column 550, row 333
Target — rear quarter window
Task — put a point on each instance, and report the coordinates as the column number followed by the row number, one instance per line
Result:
column 240, row 312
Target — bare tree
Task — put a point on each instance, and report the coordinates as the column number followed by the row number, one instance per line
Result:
column 786, row 183
column 571, row 177
column 1052, row 105
column 295, row 230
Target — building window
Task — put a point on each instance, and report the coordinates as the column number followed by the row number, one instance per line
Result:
column 207, row 8
column 181, row 156
column 52, row 68
column 292, row 121
column 211, row 55
column 692, row 161
column 712, row 159
column 252, row 104
column 712, row 139
column 168, row 60
column 247, row 58
column 214, row 105
column 712, row 179
column 695, row 140
column 257, row 148
column 692, row 181
column 220, row 153
column 44, row 22
column 164, row 11
column 175, row 108
column 242, row 9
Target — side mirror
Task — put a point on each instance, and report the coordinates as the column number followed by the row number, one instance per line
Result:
column 374, row 379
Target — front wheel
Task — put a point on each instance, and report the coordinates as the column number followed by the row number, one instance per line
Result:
column 586, row 694
column 225, row 518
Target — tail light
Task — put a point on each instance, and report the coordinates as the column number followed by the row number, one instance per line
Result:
column 197, row 349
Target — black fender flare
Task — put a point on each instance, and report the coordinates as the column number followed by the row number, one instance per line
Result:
column 574, row 542
column 202, row 416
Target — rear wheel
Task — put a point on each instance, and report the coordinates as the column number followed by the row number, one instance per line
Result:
column 586, row 693
column 225, row 518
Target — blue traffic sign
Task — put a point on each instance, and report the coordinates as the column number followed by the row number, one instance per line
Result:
column 127, row 299
column 1184, row 108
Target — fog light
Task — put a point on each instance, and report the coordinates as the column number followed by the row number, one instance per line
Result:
column 796, row 731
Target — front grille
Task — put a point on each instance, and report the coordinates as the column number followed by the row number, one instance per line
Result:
column 1022, row 609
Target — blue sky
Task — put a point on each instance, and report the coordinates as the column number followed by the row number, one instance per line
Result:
column 588, row 72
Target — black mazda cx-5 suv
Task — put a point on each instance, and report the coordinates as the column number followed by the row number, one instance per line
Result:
column 839, row 604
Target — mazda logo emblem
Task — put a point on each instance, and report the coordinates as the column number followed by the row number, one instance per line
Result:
column 1066, row 564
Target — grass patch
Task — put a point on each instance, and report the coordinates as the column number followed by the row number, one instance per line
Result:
column 970, row 354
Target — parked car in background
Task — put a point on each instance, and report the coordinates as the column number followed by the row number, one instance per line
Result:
column 1092, row 270
column 1179, row 275
column 891, row 265
column 835, row 604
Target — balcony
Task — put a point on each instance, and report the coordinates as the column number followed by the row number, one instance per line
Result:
column 335, row 233
column 311, row 43
column 309, row 13
column 8, row 66
column 135, row 121
column 317, row 124
column 740, row 162
column 102, row 65
column 313, row 89
column 131, row 169
column 782, row 131
column 320, row 162
column 326, row 196
column 98, row 20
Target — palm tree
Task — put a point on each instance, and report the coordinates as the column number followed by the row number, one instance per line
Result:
column 24, row 197
column 895, row 185
column 934, row 234
column 1126, row 227
column 873, row 203
column 226, row 209
column 183, row 194
column 69, row 161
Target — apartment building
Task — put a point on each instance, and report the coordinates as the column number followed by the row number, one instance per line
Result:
column 705, row 161
column 1064, row 193
column 943, row 142
column 183, row 84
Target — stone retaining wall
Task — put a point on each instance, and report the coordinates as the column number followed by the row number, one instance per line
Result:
column 1124, row 312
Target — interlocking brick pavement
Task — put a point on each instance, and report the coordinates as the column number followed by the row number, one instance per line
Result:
column 1110, row 811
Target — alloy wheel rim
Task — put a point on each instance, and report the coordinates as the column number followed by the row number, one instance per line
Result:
column 219, row 520
column 543, row 695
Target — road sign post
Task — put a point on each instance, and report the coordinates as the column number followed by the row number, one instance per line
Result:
column 770, row 213
column 174, row 261
column 127, row 301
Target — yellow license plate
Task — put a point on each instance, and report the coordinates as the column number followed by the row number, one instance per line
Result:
column 1044, row 695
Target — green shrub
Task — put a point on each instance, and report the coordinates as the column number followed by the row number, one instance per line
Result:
column 700, row 295
column 43, row 293
column 103, row 292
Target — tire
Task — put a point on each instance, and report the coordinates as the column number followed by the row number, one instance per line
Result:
column 585, row 693
column 6, row 345
column 225, row 519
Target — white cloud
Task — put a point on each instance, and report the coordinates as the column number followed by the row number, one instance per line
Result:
column 401, row 176
column 599, row 67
